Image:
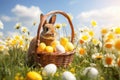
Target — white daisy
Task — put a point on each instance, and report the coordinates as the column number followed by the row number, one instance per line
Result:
column 109, row 60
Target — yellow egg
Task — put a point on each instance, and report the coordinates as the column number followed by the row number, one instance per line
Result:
column 63, row 41
column 41, row 47
column 32, row 75
column 69, row 46
column 54, row 43
column 49, row 49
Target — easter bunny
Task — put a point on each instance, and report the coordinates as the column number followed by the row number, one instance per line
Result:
column 47, row 35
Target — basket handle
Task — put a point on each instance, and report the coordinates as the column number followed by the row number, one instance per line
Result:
column 45, row 17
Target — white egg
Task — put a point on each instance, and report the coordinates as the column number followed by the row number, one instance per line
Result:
column 49, row 70
column 91, row 72
column 68, row 76
column 60, row 49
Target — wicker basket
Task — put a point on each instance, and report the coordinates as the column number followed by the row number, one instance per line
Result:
column 61, row 60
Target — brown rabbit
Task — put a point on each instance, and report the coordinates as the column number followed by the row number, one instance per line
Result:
column 47, row 35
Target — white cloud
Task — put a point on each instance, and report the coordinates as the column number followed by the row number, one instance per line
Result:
column 27, row 15
column 105, row 16
column 6, row 18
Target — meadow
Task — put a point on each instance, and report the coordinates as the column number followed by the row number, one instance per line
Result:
column 102, row 55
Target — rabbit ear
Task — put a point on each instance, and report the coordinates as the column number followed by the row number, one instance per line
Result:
column 41, row 16
column 52, row 19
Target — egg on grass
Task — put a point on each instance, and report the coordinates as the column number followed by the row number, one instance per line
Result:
column 49, row 70
column 68, row 76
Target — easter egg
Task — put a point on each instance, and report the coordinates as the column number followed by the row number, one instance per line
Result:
column 41, row 47
column 90, row 72
column 49, row 49
column 54, row 43
column 68, row 76
column 69, row 46
column 32, row 75
column 60, row 49
column 49, row 70
column 63, row 41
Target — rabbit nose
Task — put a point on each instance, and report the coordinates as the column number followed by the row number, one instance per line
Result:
column 52, row 30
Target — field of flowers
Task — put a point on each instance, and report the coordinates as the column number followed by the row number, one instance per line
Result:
column 95, row 59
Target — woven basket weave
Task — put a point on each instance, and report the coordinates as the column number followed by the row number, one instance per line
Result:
column 60, row 60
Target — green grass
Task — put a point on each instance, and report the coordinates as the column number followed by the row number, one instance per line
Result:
column 15, row 63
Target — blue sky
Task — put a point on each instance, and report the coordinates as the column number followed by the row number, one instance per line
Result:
column 105, row 12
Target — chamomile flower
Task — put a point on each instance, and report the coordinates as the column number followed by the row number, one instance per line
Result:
column 82, row 51
column 109, row 60
column 93, row 23
column 104, row 31
column 117, row 44
column 58, row 25
column 85, row 37
column 18, row 25
column 117, row 30
column 97, row 56
column 24, row 29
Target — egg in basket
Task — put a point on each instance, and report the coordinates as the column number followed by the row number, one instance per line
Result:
column 45, row 48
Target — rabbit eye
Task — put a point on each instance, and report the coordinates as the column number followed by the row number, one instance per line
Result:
column 45, row 29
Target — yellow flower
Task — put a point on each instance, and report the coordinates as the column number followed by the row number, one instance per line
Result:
column 104, row 31
column 24, row 29
column 117, row 44
column 85, row 38
column 91, row 33
column 93, row 23
column 81, row 41
column 97, row 56
column 108, row 45
column 32, row 75
column 18, row 25
column 13, row 42
column 82, row 51
column 58, row 25
column 95, row 41
column 17, row 37
column 2, row 47
column 72, row 70
column 21, row 42
column 63, row 24
column 110, row 35
column 117, row 30
column 1, row 25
